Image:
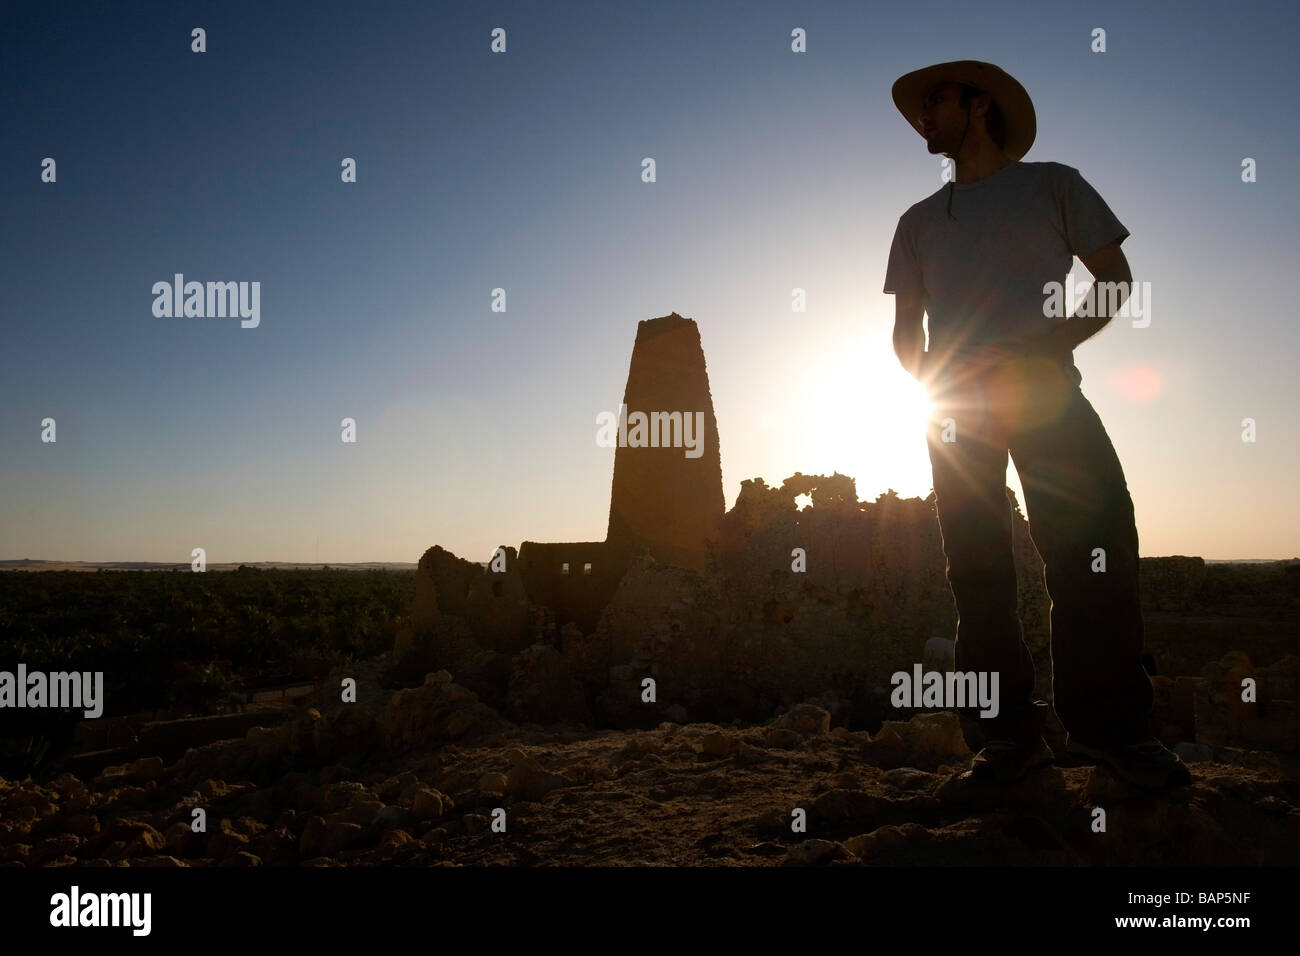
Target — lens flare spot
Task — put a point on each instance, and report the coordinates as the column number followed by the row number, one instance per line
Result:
column 1139, row 383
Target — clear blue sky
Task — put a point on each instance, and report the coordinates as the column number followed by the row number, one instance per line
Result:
column 522, row 170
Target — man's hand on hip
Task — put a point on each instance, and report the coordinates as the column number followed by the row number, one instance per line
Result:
column 1053, row 346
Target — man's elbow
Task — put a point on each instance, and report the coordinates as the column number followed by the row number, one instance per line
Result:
column 1118, row 273
column 1111, row 289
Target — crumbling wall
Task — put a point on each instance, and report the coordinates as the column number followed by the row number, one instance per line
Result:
column 1170, row 583
column 751, row 632
column 1271, row 721
column 462, row 609
column 575, row 580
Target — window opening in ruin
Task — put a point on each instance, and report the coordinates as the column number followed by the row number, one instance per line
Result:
column 564, row 568
column 586, row 568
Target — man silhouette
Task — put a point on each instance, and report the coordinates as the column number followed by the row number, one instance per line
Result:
column 975, row 256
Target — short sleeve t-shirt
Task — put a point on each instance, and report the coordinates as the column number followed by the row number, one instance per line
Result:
column 980, row 274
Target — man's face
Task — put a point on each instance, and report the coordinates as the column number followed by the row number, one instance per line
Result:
column 943, row 118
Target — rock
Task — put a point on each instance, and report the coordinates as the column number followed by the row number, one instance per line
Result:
column 806, row 719
column 881, row 839
column 129, row 797
column 68, row 785
column 494, row 783
column 148, row 840
column 931, row 738
column 1271, row 722
column 79, row 803
column 815, row 853
column 840, row 804
column 393, row 787
column 52, row 848
column 322, row 838
column 907, row 778
column 341, row 793
column 676, row 713
column 395, row 838
column 428, row 804
column 111, row 777
column 83, row 824
column 784, row 739
column 390, row 818
column 225, row 843
column 767, row 848
column 135, row 836
column 146, row 768
column 16, row 854
column 1194, row 753
column 717, row 745
column 886, row 748
column 363, row 812
column 542, row 691
column 421, row 716
column 840, row 709
column 528, row 779
column 239, row 858
column 181, row 840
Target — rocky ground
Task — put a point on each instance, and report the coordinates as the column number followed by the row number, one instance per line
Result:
column 430, row 775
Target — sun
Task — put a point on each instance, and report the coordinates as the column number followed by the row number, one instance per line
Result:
column 865, row 417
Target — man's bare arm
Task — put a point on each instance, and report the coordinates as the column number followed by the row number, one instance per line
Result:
column 909, row 334
column 1107, row 265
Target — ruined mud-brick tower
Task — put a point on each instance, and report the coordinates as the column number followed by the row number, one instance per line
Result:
column 661, row 499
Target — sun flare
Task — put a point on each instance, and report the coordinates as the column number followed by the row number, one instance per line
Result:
column 865, row 417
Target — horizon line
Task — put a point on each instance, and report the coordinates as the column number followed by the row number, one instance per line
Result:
column 18, row 561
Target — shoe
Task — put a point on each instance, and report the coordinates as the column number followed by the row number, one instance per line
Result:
column 1006, row 761
column 1147, row 763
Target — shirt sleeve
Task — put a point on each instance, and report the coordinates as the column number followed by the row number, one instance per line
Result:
column 903, row 274
column 1089, row 223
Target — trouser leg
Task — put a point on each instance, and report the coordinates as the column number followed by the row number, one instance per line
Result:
column 975, row 523
column 1081, row 515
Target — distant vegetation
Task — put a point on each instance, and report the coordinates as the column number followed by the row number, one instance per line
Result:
column 1256, row 588
column 185, row 642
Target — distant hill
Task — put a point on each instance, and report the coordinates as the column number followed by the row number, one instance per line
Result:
column 34, row 564
column 1248, row 560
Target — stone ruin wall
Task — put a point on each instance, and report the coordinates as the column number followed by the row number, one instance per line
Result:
column 574, row 580
column 737, row 639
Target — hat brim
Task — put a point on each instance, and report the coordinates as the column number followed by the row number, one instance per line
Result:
column 1017, row 108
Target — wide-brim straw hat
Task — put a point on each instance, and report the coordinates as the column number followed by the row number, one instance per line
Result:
column 1012, row 99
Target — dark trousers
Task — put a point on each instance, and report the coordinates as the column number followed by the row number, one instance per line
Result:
column 1077, row 501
